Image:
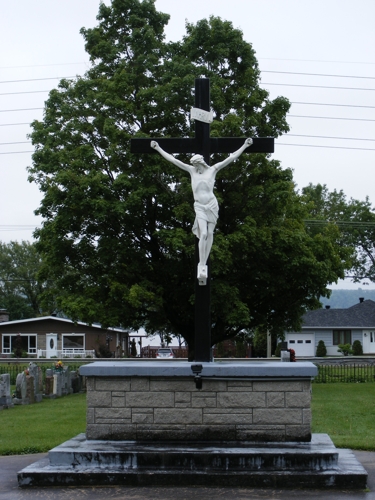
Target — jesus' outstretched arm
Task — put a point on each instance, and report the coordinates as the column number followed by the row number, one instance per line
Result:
column 169, row 157
column 233, row 156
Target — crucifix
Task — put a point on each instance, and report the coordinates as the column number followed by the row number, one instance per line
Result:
column 206, row 209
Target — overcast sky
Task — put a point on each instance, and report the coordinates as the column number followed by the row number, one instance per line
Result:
column 317, row 53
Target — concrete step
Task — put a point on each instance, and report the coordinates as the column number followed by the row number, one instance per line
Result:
column 80, row 462
column 320, row 454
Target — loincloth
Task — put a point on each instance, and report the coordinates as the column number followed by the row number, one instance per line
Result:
column 209, row 213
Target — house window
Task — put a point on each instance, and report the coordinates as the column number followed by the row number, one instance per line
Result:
column 73, row 341
column 27, row 343
column 342, row 337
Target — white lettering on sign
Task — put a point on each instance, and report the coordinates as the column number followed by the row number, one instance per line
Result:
column 202, row 115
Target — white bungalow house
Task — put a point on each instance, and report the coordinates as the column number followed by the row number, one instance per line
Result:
column 334, row 327
column 51, row 337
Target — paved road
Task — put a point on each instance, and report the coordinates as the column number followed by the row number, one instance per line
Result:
column 9, row 466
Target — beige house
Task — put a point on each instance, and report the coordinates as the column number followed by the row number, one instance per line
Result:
column 49, row 336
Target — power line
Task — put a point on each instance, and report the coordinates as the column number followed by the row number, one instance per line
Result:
column 320, row 146
column 12, row 124
column 261, row 83
column 330, row 104
column 312, row 86
column 20, row 109
column 277, row 143
column 318, row 74
column 15, row 227
column 286, row 135
column 316, row 60
column 37, row 79
column 329, row 137
column 19, row 142
column 15, row 152
column 27, row 92
column 318, row 222
column 44, row 65
column 333, row 118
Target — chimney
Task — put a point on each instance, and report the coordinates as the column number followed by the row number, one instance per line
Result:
column 361, row 299
column 4, row 315
column 328, row 307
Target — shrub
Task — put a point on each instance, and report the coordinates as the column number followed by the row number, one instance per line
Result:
column 357, row 348
column 345, row 349
column 321, row 349
column 103, row 351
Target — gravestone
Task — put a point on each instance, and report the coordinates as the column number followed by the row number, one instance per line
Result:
column 285, row 356
column 36, row 373
column 58, row 384
column 21, row 390
column 75, row 382
column 66, row 385
column 5, row 397
column 30, row 389
column 48, row 386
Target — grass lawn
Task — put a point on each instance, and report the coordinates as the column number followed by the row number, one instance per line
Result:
column 346, row 412
column 39, row 427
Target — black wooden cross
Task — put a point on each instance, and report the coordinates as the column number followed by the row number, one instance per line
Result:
column 205, row 145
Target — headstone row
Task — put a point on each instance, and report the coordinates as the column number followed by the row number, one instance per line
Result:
column 59, row 381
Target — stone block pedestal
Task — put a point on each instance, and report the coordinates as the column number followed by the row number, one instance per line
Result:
column 235, row 403
column 235, row 424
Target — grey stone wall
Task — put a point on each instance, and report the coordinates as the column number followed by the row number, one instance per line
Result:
column 172, row 409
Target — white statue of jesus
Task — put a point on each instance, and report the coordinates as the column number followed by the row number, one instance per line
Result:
column 205, row 203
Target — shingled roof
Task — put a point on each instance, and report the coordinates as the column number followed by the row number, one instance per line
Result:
column 361, row 315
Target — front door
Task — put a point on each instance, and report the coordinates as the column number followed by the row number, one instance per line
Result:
column 369, row 342
column 51, row 345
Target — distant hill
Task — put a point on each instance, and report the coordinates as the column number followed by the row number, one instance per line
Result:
column 341, row 299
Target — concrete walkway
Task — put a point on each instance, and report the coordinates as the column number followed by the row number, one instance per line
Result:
column 9, row 490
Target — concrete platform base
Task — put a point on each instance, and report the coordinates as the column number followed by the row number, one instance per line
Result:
column 81, row 462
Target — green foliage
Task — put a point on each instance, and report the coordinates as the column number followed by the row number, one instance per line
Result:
column 117, row 227
column 355, row 221
column 321, row 349
column 346, row 413
column 278, row 350
column 39, row 427
column 345, row 349
column 357, row 348
column 240, row 349
column 17, row 352
column 220, row 350
column 103, row 351
column 260, row 343
column 22, row 293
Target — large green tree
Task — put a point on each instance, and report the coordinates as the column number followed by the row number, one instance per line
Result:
column 117, row 227
column 21, row 290
column 355, row 220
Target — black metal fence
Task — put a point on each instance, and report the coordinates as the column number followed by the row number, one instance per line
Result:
column 348, row 373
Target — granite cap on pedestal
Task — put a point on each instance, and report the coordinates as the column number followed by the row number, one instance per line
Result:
column 235, row 369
